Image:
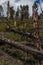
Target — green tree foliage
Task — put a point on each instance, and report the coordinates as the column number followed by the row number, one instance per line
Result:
column 24, row 11
column 17, row 13
column 41, row 15
column 12, row 12
column 1, row 10
column 35, row 6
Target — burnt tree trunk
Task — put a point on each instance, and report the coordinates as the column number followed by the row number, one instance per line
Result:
column 36, row 29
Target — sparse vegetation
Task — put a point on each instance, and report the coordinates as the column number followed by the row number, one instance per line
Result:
column 20, row 26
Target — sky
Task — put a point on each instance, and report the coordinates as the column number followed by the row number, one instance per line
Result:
column 16, row 3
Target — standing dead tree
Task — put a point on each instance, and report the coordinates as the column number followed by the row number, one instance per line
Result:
column 36, row 27
column 14, row 21
column 8, row 16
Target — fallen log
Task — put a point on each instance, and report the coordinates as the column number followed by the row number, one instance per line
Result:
column 21, row 33
column 22, row 47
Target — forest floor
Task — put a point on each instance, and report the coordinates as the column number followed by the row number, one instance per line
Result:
column 25, row 26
